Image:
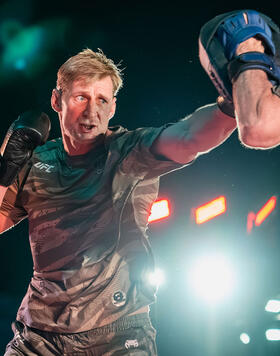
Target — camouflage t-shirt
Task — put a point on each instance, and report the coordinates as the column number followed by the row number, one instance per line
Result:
column 87, row 221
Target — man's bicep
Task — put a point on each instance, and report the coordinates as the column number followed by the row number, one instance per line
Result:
column 168, row 145
column 200, row 132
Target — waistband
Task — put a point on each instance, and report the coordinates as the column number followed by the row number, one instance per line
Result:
column 126, row 322
column 130, row 321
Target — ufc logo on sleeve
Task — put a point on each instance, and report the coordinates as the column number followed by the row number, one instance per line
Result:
column 44, row 166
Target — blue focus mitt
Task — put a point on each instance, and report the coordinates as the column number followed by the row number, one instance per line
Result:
column 219, row 38
column 242, row 26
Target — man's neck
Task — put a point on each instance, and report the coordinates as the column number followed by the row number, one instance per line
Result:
column 76, row 149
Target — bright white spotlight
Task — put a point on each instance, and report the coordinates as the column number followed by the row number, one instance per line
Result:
column 273, row 306
column 156, row 278
column 272, row 334
column 212, row 278
column 245, row 338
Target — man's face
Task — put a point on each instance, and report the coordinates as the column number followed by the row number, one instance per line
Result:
column 85, row 109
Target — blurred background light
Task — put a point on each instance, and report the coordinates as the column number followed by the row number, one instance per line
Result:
column 28, row 50
column 273, row 306
column 250, row 221
column 156, row 278
column 212, row 278
column 210, row 210
column 20, row 64
column 23, row 47
column 272, row 334
column 160, row 210
column 245, row 338
column 9, row 29
column 265, row 211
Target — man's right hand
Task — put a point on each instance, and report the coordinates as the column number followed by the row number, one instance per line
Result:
column 30, row 130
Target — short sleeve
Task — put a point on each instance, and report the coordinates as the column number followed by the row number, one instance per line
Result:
column 11, row 206
column 139, row 160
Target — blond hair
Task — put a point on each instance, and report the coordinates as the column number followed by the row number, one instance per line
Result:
column 89, row 64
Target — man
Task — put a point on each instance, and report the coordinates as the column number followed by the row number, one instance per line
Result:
column 87, row 198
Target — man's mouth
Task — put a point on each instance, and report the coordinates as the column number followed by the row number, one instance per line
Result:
column 87, row 128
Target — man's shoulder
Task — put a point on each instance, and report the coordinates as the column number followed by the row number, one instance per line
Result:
column 116, row 135
column 120, row 137
column 123, row 134
column 49, row 146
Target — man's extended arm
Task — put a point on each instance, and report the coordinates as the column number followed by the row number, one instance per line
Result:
column 200, row 132
column 257, row 108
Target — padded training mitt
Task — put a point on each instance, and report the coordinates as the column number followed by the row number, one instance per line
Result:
column 220, row 37
column 242, row 26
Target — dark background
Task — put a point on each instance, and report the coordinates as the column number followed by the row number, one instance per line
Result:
column 163, row 82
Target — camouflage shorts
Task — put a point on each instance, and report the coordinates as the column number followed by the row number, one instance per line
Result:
column 132, row 335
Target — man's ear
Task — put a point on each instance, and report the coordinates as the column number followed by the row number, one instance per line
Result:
column 113, row 109
column 56, row 100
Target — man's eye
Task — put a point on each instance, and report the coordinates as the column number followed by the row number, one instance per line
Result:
column 103, row 101
column 80, row 98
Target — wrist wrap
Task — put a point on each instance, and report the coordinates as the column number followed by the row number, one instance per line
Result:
column 254, row 60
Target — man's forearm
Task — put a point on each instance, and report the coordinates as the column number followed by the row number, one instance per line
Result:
column 202, row 131
column 257, row 108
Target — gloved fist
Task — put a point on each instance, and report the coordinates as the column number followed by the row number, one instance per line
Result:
column 30, row 130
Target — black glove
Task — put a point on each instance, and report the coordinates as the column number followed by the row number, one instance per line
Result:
column 30, row 130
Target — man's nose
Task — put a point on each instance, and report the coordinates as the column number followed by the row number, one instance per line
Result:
column 90, row 109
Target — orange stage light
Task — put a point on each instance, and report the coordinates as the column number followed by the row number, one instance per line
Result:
column 265, row 211
column 160, row 210
column 250, row 221
column 210, row 210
